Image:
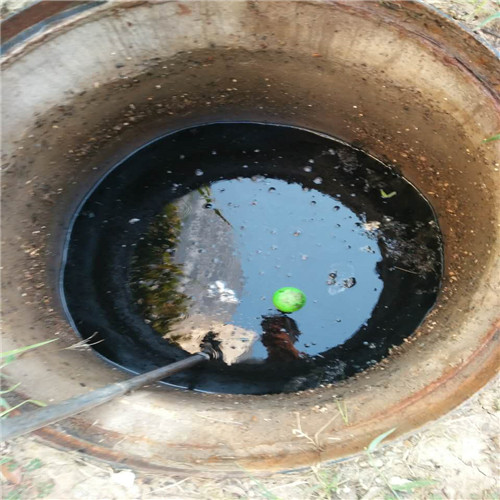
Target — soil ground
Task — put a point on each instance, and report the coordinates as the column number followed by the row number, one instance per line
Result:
column 453, row 458
column 456, row 457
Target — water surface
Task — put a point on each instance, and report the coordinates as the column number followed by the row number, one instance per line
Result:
column 195, row 232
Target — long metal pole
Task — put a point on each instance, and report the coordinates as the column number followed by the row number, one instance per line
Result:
column 29, row 422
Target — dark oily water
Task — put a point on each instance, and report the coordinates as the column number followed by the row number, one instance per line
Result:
column 194, row 233
column 212, row 260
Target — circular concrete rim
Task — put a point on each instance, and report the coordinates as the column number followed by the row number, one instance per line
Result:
column 452, row 379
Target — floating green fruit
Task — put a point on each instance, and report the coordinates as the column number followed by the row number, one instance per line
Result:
column 289, row 299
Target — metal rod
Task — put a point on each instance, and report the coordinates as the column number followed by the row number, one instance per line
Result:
column 33, row 420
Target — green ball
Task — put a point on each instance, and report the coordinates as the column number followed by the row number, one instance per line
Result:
column 289, row 299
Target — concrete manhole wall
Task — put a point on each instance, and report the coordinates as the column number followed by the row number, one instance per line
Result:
column 400, row 81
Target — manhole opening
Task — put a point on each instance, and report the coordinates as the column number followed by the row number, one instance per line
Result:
column 195, row 231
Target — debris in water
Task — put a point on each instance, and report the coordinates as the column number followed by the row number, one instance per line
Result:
column 387, row 195
column 372, row 226
column 332, row 280
column 349, row 282
column 367, row 249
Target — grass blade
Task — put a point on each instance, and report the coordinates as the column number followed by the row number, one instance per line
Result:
column 11, row 388
column 374, row 444
column 15, row 352
column 494, row 16
column 34, row 401
column 412, row 485
column 495, row 137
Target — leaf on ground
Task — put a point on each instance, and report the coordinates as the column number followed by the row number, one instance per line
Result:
column 44, row 489
column 412, row 485
column 4, row 404
column 34, row 464
column 387, row 195
column 12, row 476
column 374, row 444
column 495, row 137
column 15, row 494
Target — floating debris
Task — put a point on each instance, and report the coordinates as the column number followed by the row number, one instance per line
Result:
column 371, row 226
column 349, row 282
column 387, row 195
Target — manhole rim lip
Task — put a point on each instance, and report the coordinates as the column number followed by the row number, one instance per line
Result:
column 440, row 392
column 488, row 341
